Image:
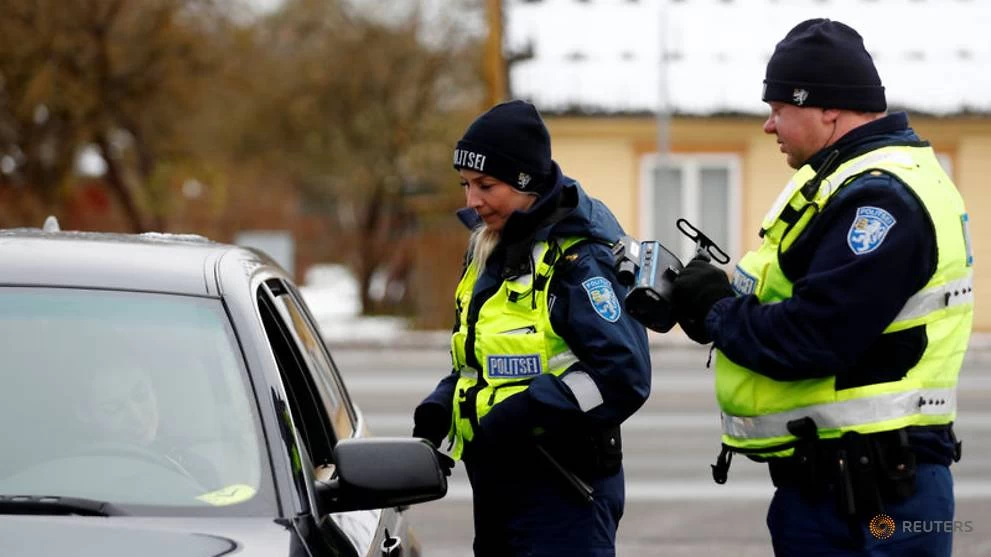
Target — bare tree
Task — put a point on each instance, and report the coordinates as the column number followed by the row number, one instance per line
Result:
column 354, row 103
column 121, row 75
column 367, row 109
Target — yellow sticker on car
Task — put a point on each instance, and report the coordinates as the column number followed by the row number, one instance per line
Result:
column 230, row 495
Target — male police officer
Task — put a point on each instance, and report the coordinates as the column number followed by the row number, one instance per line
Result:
column 838, row 356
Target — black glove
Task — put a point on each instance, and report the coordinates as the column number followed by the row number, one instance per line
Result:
column 699, row 285
column 446, row 462
column 431, row 421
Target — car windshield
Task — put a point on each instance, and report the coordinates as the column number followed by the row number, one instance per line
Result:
column 136, row 399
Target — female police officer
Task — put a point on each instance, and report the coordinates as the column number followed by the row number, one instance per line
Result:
column 546, row 365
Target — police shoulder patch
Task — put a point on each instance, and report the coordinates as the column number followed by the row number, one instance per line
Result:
column 603, row 298
column 869, row 228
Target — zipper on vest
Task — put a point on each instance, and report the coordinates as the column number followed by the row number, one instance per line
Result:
column 469, row 406
column 474, row 307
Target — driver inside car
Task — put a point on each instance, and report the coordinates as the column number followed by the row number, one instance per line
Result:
column 120, row 407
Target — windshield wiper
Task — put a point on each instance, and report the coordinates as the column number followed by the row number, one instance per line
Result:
column 49, row 504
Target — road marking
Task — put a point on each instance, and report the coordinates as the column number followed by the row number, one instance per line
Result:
column 646, row 491
column 684, row 381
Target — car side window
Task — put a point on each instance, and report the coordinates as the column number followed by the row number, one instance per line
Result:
column 304, row 403
column 324, row 374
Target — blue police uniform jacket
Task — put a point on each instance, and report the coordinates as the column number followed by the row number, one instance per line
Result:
column 832, row 325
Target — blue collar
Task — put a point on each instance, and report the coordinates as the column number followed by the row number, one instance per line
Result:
column 890, row 124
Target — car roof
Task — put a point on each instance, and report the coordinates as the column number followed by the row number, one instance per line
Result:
column 153, row 262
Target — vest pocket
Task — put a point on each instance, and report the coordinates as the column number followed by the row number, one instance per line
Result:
column 458, row 340
column 509, row 360
column 494, row 395
column 511, row 357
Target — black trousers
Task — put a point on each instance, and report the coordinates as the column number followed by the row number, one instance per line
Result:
column 524, row 507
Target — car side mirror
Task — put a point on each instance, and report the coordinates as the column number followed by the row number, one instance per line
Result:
column 382, row 472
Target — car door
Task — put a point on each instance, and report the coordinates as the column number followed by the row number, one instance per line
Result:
column 328, row 415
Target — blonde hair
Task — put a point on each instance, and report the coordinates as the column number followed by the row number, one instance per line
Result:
column 483, row 240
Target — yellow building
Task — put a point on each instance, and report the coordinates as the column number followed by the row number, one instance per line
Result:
column 731, row 172
column 600, row 77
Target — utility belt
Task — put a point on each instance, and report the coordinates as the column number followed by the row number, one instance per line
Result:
column 863, row 471
column 588, row 454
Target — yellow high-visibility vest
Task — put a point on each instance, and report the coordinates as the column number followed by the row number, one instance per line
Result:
column 756, row 409
column 512, row 340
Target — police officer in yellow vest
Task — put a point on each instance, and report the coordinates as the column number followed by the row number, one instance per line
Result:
column 839, row 341
column 546, row 364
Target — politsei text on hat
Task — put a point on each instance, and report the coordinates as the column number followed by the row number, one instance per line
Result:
column 468, row 159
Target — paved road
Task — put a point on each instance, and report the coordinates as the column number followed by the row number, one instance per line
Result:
column 673, row 507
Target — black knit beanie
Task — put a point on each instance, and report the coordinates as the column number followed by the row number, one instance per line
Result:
column 511, row 143
column 824, row 63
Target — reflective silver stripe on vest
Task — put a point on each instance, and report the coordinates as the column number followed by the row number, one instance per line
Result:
column 849, row 413
column 469, row 373
column 584, row 388
column 831, row 183
column 562, row 360
column 522, row 280
column 924, row 302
